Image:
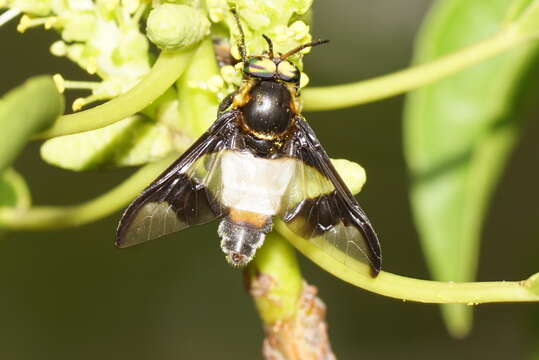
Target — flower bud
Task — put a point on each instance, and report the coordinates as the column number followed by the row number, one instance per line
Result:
column 33, row 7
column 352, row 174
column 172, row 26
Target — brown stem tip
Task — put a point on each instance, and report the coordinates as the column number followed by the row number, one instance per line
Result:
column 303, row 336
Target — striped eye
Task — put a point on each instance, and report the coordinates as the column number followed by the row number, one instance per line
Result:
column 260, row 67
column 288, row 72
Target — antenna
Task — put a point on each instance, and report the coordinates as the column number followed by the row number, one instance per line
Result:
column 270, row 46
column 301, row 47
column 243, row 51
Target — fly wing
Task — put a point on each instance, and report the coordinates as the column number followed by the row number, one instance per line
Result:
column 319, row 207
column 185, row 194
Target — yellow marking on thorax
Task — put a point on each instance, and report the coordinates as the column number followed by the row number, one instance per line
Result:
column 295, row 104
column 242, row 97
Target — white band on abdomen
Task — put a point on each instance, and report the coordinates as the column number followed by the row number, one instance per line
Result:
column 254, row 184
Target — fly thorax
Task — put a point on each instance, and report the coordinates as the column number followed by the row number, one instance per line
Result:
column 268, row 112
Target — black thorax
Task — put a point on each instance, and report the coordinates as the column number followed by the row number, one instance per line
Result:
column 268, row 113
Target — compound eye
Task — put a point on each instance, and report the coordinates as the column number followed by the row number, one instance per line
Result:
column 260, row 67
column 288, row 72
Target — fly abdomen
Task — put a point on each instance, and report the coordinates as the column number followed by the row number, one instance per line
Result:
column 255, row 185
column 242, row 236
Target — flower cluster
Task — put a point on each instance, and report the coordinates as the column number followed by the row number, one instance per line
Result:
column 106, row 38
column 103, row 37
column 285, row 22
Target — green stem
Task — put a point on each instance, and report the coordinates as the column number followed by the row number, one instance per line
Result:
column 410, row 289
column 198, row 107
column 293, row 316
column 275, row 280
column 276, row 259
column 168, row 67
column 13, row 178
column 56, row 217
column 341, row 96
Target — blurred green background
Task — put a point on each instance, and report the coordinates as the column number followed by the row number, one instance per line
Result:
column 72, row 295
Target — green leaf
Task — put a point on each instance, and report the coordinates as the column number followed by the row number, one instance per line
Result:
column 528, row 21
column 516, row 9
column 24, row 111
column 458, row 134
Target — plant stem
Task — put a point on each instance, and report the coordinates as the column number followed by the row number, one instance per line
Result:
column 275, row 268
column 168, row 67
column 341, row 96
column 410, row 289
column 55, row 217
column 354, row 272
column 9, row 15
column 198, row 107
column 292, row 314
column 23, row 199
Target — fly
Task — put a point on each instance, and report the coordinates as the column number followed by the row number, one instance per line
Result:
column 260, row 159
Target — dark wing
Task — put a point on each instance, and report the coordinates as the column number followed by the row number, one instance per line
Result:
column 185, row 194
column 318, row 205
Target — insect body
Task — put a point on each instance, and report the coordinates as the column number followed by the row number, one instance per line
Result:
column 260, row 159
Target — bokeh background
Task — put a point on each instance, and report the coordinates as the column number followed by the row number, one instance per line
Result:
column 72, row 295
